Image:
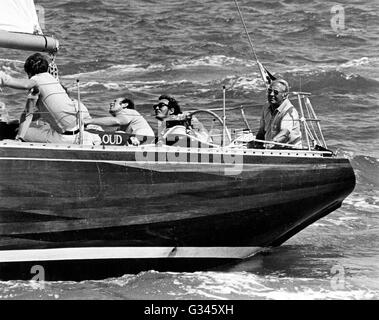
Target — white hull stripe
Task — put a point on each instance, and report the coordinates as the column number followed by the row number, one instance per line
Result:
column 105, row 253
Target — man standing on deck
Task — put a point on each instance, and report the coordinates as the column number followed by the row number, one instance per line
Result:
column 279, row 120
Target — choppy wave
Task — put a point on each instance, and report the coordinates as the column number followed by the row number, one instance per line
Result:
column 198, row 285
column 246, row 286
column 118, row 69
column 331, row 81
column 133, row 86
column 358, row 62
column 211, row 61
column 368, row 203
column 315, row 82
column 336, row 78
column 368, row 168
column 316, row 79
column 366, row 196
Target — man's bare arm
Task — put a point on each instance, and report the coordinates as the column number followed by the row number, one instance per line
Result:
column 104, row 121
column 27, row 116
column 8, row 81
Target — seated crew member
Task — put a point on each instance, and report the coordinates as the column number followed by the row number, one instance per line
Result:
column 171, row 119
column 57, row 111
column 31, row 113
column 126, row 119
column 279, row 120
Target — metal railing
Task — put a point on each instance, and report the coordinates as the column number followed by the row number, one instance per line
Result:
column 309, row 121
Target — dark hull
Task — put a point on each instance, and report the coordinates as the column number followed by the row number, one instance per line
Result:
column 100, row 269
column 72, row 198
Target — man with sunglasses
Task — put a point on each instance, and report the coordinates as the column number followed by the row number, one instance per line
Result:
column 279, row 120
column 172, row 119
column 125, row 118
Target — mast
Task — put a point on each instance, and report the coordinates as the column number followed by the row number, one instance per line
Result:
column 223, row 117
column 267, row 77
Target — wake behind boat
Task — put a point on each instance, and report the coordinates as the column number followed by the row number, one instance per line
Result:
column 85, row 211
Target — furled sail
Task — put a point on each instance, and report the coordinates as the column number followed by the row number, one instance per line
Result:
column 20, row 28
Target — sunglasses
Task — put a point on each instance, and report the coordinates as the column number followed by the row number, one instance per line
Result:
column 160, row 105
column 276, row 92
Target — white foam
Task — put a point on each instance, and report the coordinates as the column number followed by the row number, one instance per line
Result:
column 364, row 203
column 356, row 62
column 112, row 86
column 117, row 69
column 130, row 85
column 246, row 83
column 311, row 69
column 12, row 61
column 246, row 285
column 211, row 61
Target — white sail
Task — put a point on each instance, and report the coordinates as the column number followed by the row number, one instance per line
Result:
column 20, row 29
column 19, row 16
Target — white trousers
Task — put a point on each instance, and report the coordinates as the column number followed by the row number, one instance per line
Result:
column 42, row 132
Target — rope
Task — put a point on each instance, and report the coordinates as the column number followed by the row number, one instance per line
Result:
column 247, row 33
column 53, row 68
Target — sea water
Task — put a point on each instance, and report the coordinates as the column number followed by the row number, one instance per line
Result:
column 191, row 49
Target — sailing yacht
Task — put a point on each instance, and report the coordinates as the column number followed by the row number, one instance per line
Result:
column 84, row 211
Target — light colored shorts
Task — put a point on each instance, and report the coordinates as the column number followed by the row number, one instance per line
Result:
column 42, row 132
